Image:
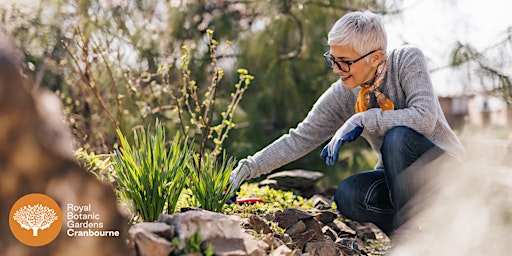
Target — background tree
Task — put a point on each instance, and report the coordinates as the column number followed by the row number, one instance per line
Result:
column 488, row 69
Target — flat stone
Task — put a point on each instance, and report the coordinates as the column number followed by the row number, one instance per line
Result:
column 285, row 219
column 321, row 247
column 296, row 178
column 313, row 225
column 298, row 228
column 341, row 228
column 328, row 231
column 349, row 246
column 321, row 202
column 282, row 250
column 149, row 244
column 223, row 232
column 272, row 241
column 326, row 217
column 301, row 239
column 363, row 232
column 259, row 224
column 158, row 228
column 301, row 215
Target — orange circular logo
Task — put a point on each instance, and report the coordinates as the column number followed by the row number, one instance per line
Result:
column 35, row 219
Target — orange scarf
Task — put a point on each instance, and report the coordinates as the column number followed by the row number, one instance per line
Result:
column 363, row 98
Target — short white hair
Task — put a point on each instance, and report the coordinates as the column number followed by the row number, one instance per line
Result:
column 361, row 30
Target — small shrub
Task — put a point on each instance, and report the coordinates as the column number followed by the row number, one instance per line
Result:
column 148, row 174
column 209, row 182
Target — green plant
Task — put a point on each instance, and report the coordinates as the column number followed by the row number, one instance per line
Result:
column 196, row 106
column 274, row 200
column 192, row 245
column 99, row 165
column 199, row 118
column 148, row 174
column 210, row 183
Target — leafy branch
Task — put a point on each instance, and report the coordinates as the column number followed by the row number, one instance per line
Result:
column 196, row 110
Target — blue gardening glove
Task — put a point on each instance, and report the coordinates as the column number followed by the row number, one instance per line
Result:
column 348, row 132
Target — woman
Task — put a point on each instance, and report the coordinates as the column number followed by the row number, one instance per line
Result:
column 388, row 98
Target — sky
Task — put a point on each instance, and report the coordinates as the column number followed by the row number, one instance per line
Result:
column 436, row 25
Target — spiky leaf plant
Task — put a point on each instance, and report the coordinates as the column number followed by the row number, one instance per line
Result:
column 150, row 175
column 209, row 181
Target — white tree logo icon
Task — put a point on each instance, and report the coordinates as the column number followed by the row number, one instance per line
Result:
column 37, row 217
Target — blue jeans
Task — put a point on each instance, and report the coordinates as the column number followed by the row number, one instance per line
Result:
column 380, row 196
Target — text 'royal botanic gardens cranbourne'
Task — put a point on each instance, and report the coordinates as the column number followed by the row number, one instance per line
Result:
column 83, row 221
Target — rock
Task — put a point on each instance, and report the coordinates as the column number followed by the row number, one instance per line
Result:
column 272, row 241
column 282, row 250
column 157, row 228
column 326, row 217
column 148, row 243
column 222, row 232
column 313, row 225
column 349, row 246
column 287, row 240
column 285, row 219
column 301, row 215
column 298, row 228
column 302, row 238
column 307, row 235
column 328, row 231
column 270, row 183
column 341, row 228
column 236, row 246
column 321, row 202
column 259, row 224
column 321, row 248
column 364, row 232
column 296, row 179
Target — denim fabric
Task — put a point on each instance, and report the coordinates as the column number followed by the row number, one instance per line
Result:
column 380, row 196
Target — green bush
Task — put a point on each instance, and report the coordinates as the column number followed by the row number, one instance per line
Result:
column 209, row 181
column 149, row 175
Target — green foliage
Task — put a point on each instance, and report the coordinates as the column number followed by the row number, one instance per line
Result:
column 274, row 200
column 209, row 182
column 192, row 245
column 197, row 107
column 148, row 174
column 99, row 165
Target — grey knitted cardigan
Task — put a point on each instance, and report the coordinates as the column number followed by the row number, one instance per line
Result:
column 407, row 84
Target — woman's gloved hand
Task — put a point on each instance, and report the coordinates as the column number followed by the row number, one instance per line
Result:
column 348, row 132
column 239, row 175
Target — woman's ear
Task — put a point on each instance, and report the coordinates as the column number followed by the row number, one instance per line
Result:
column 376, row 58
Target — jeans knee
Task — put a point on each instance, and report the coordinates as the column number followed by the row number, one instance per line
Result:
column 394, row 138
column 342, row 198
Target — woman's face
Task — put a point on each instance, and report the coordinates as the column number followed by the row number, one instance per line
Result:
column 360, row 71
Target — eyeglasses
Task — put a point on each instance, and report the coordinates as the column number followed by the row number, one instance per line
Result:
column 341, row 64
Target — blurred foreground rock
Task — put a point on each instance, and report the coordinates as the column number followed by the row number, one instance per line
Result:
column 36, row 157
column 288, row 232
